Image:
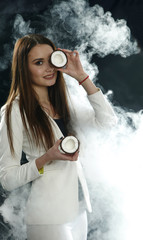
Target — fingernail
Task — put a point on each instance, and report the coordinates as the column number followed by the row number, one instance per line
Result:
column 61, row 138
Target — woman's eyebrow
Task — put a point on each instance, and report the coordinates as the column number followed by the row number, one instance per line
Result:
column 37, row 59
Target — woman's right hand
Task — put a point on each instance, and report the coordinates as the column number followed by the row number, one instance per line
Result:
column 54, row 154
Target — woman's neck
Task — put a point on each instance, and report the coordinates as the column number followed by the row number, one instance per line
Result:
column 42, row 93
column 43, row 98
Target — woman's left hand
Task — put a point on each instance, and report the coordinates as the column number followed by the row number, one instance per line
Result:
column 74, row 67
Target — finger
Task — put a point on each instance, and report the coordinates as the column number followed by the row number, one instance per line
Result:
column 58, row 141
column 76, row 153
column 74, row 157
column 70, row 53
column 67, row 157
column 63, row 70
column 67, row 50
column 76, row 52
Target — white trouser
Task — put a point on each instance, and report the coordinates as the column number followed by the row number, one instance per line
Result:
column 76, row 230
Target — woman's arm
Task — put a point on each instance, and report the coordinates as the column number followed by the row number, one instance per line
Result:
column 74, row 69
column 105, row 116
column 54, row 154
column 104, row 113
column 12, row 173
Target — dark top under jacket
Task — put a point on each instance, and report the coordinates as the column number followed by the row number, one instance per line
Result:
column 61, row 125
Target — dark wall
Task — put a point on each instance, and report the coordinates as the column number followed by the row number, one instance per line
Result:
column 122, row 75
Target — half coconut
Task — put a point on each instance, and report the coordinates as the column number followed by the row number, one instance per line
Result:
column 69, row 145
column 58, row 59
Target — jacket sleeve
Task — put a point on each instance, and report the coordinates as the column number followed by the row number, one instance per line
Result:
column 12, row 173
column 104, row 113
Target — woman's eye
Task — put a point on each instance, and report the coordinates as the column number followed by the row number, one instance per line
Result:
column 39, row 63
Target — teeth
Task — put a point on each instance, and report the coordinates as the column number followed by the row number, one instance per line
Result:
column 49, row 76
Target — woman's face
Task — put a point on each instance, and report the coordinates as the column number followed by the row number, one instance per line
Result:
column 42, row 73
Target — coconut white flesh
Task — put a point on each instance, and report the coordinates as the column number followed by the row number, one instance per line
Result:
column 58, row 59
column 70, row 144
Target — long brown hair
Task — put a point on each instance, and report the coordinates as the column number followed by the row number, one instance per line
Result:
column 21, row 86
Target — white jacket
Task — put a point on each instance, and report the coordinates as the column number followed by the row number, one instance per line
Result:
column 54, row 195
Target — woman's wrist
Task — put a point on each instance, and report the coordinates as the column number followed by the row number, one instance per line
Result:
column 81, row 77
column 81, row 82
column 88, row 85
column 41, row 161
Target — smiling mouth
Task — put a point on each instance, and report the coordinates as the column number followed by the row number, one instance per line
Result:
column 49, row 76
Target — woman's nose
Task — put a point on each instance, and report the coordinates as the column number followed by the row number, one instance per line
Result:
column 49, row 66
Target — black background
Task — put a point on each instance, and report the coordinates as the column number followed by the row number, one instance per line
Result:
column 122, row 75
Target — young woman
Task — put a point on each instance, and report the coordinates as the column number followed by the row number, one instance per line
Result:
column 33, row 120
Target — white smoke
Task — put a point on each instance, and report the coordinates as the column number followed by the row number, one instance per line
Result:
column 113, row 165
column 74, row 24
column 20, row 27
column 13, row 211
column 93, row 28
column 112, row 162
